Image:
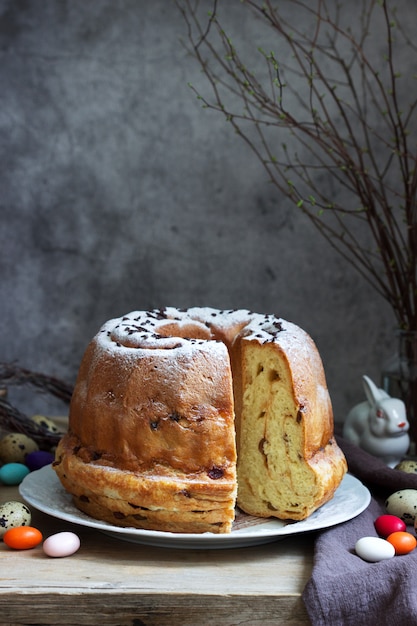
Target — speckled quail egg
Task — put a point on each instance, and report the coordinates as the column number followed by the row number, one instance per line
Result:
column 46, row 423
column 403, row 504
column 12, row 515
column 15, row 446
column 410, row 467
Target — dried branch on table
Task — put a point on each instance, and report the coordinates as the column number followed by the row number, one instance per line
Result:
column 11, row 375
column 13, row 420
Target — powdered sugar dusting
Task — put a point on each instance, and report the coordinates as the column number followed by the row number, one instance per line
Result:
column 172, row 329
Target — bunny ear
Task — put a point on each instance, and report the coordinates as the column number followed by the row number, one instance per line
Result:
column 373, row 394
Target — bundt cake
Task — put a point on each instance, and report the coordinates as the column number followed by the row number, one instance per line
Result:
column 177, row 415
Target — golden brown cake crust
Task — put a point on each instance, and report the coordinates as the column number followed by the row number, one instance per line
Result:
column 151, row 440
column 169, row 502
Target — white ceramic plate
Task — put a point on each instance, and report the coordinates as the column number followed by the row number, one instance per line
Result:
column 43, row 490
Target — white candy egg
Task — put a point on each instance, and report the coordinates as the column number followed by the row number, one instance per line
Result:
column 12, row 515
column 403, row 504
column 61, row 544
column 15, row 446
column 374, row 549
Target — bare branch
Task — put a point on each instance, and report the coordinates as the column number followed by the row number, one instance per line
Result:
column 351, row 121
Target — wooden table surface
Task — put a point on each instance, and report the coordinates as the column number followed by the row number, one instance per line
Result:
column 112, row 581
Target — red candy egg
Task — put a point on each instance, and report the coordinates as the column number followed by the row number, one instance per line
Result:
column 403, row 542
column 22, row 537
column 387, row 524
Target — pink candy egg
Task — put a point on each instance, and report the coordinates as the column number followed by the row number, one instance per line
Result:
column 61, row 544
column 387, row 524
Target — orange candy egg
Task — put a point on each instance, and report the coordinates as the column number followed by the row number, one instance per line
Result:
column 22, row 537
column 402, row 541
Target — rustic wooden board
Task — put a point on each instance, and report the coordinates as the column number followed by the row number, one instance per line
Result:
column 110, row 581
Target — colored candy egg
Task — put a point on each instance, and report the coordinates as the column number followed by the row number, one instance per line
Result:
column 39, row 458
column 374, row 549
column 15, row 446
column 403, row 504
column 13, row 514
column 61, row 544
column 403, row 542
column 13, row 473
column 387, row 524
column 22, row 537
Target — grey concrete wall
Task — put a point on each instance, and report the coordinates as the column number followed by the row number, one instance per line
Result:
column 118, row 192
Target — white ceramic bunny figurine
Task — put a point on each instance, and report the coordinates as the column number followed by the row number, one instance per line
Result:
column 379, row 425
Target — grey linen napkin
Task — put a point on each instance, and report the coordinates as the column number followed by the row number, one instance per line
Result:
column 345, row 590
